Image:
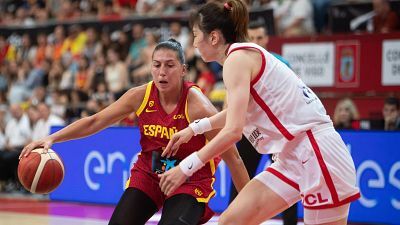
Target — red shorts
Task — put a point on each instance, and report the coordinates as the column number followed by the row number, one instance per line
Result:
column 148, row 182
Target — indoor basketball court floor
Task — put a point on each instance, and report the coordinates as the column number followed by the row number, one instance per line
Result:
column 29, row 210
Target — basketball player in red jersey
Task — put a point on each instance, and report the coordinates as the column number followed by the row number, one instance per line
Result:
column 280, row 115
column 163, row 107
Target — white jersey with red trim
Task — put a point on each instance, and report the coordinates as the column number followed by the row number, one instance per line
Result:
column 281, row 106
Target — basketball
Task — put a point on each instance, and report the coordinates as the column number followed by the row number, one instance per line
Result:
column 41, row 172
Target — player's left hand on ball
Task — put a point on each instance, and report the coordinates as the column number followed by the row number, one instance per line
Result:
column 171, row 180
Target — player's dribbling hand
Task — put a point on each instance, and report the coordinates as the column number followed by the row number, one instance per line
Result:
column 45, row 143
column 171, row 180
column 181, row 137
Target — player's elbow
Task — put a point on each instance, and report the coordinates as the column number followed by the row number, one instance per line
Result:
column 233, row 134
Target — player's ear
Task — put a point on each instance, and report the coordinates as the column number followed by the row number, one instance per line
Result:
column 214, row 37
column 184, row 69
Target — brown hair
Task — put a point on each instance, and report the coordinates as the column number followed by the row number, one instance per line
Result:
column 231, row 18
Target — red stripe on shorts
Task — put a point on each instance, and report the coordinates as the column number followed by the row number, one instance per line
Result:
column 283, row 178
column 324, row 168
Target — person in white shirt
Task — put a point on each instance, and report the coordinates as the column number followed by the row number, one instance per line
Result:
column 46, row 121
column 17, row 134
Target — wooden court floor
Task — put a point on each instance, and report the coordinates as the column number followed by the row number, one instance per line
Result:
column 29, row 210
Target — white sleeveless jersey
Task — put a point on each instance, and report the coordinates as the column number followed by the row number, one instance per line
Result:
column 281, row 106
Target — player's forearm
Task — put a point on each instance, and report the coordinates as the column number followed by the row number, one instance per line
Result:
column 218, row 145
column 78, row 129
column 218, row 120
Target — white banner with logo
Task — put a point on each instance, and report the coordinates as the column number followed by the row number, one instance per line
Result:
column 391, row 63
column 314, row 63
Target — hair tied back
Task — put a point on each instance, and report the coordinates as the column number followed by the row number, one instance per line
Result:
column 227, row 6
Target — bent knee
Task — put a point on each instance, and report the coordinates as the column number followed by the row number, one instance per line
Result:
column 228, row 218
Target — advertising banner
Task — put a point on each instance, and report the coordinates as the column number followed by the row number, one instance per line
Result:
column 391, row 63
column 97, row 168
column 313, row 62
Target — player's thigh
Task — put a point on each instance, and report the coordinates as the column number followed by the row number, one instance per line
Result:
column 255, row 203
column 330, row 216
column 182, row 209
column 134, row 208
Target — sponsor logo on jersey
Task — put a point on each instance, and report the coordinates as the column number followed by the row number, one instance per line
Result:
column 308, row 95
column 198, row 192
column 255, row 137
column 151, row 104
column 179, row 116
column 313, row 199
column 156, row 130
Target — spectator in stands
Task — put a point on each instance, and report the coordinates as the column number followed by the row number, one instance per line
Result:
column 68, row 10
column 142, row 74
column 102, row 95
column 116, row 72
column 25, row 51
column 17, row 134
column 385, row 19
column 138, row 44
column 33, row 116
column 346, row 115
column 17, row 92
column 75, row 42
column 179, row 33
column 391, row 114
column 320, row 8
column 7, row 50
column 82, row 75
column 56, row 42
column 97, row 71
column 293, row 17
column 92, row 46
column 46, row 121
column 258, row 34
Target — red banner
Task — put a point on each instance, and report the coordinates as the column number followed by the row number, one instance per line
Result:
column 347, row 64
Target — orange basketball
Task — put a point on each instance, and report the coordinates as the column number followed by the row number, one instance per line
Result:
column 41, row 172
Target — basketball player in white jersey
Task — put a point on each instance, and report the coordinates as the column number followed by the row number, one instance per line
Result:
column 278, row 114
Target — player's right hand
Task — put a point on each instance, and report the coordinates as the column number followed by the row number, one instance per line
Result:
column 45, row 143
column 181, row 137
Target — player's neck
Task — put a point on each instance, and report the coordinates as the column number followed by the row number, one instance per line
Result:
column 168, row 100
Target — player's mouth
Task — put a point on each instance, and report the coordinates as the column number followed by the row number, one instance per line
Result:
column 163, row 82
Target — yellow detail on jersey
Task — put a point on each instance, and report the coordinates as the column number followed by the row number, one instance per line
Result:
column 179, row 116
column 155, row 130
column 198, row 192
column 207, row 199
column 127, row 183
column 145, row 99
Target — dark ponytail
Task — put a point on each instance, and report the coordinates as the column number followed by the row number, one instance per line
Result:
column 231, row 18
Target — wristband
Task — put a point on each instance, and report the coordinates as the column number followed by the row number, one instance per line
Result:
column 201, row 126
column 191, row 164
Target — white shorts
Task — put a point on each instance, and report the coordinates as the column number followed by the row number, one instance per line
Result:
column 317, row 168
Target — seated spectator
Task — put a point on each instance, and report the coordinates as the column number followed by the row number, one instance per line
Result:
column 116, row 72
column 391, row 114
column 294, row 17
column 346, row 115
column 46, row 121
column 385, row 19
column 17, row 134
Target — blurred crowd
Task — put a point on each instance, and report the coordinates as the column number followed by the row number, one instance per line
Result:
column 55, row 78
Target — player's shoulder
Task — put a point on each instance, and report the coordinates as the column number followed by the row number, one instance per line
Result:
column 199, row 105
